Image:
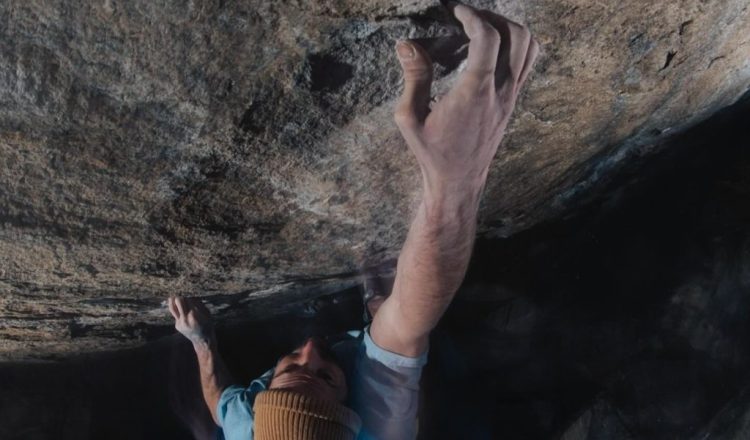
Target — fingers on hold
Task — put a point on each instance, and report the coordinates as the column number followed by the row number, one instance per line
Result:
column 414, row 102
column 519, row 50
column 485, row 40
column 500, row 22
column 180, row 305
column 172, row 308
column 515, row 45
column 525, row 37
column 531, row 55
column 483, row 51
column 486, row 34
column 470, row 19
column 418, row 64
column 405, row 116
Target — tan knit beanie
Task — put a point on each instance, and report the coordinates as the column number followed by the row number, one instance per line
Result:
column 289, row 415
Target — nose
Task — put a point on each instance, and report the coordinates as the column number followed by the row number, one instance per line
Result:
column 310, row 354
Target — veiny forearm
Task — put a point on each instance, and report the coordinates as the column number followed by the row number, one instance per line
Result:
column 431, row 266
column 214, row 375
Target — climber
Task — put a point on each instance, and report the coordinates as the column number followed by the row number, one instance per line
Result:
column 369, row 388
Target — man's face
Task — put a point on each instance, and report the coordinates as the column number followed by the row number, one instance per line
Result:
column 311, row 369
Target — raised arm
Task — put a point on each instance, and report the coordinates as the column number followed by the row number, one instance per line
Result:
column 454, row 143
column 193, row 320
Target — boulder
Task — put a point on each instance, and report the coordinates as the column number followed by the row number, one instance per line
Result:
column 245, row 152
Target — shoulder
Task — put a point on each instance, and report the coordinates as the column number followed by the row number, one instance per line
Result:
column 385, row 390
column 235, row 407
column 373, row 352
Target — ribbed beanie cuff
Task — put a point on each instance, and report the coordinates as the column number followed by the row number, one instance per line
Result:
column 288, row 415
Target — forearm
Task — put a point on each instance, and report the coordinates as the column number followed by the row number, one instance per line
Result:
column 214, row 374
column 431, row 266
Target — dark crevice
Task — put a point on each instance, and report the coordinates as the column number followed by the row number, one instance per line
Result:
column 139, row 331
column 256, row 120
column 328, row 73
column 248, row 123
column 713, row 60
column 684, row 26
column 668, row 61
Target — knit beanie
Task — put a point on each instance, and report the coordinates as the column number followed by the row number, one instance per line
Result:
column 289, row 415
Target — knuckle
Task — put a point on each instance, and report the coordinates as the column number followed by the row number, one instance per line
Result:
column 404, row 118
column 479, row 80
column 474, row 21
column 418, row 74
column 515, row 27
column 466, row 11
column 527, row 37
column 522, row 32
column 488, row 32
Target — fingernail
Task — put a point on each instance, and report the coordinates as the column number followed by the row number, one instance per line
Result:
column 405, row 50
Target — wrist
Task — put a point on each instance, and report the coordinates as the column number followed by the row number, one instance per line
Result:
column 461, row 185
column 203, row 344
column 455, row 196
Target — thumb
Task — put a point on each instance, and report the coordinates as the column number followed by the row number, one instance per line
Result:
column 416, row 64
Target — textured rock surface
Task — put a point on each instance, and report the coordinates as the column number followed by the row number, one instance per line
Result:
column 245, row 151
column 625, row 321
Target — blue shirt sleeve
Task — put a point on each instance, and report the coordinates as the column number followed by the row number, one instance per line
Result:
column 385, row 391
column 235, row 408
column 235, row 413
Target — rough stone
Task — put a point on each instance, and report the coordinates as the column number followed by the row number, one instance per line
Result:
column 245, row 151
column 623, row 320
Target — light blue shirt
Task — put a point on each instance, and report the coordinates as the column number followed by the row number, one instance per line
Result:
column 383, row 391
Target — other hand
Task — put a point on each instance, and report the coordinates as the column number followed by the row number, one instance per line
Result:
column 191, row 318
column 455, row 140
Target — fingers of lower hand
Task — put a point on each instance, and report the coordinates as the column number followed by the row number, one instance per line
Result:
column 187, row 311
column 188, row 323
column 174, row 309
